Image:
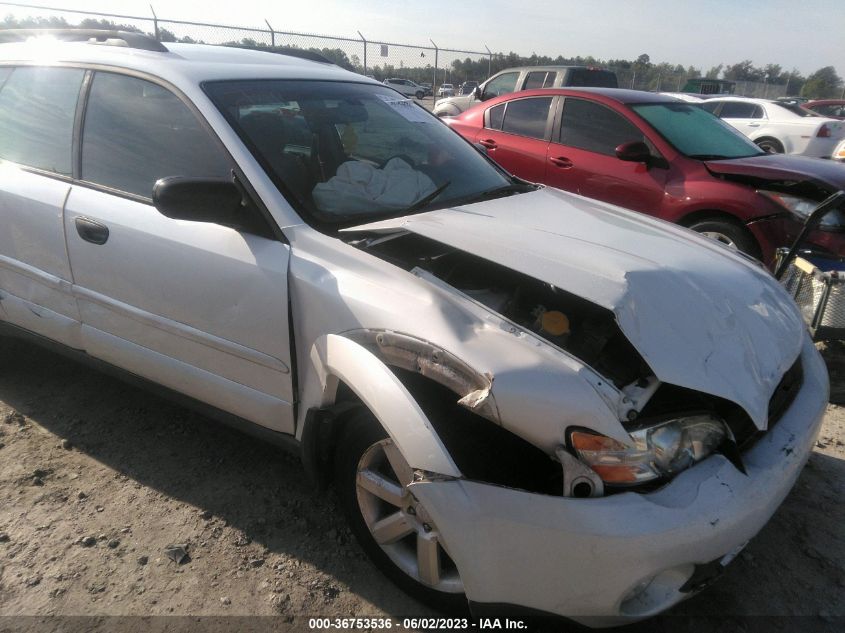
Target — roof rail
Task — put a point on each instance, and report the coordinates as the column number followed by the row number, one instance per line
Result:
column 99, row 36
column 301, row 53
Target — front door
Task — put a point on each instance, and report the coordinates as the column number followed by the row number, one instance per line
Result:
column 582, row 158
column 200, row 308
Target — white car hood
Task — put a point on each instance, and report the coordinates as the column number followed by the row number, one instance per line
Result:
column 701, row 316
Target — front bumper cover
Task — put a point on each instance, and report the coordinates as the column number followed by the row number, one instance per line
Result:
column 604, row 561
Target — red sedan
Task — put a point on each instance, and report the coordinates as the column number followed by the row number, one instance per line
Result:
column 833, row 108
column 660, row 156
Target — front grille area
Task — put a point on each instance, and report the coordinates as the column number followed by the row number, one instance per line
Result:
column 785, row 392
column 745, row 433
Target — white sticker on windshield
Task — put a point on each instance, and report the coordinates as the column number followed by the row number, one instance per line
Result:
column 407, row 108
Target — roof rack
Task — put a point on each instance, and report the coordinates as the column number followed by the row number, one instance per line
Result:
column 96, row 36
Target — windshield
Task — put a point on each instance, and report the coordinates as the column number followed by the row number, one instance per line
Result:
column 695, row 132
column 347, row 153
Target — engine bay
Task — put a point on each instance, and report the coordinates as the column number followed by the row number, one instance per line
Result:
column 571, row 323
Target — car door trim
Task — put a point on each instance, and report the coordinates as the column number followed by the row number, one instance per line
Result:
column 181, row 330
column 50, row 281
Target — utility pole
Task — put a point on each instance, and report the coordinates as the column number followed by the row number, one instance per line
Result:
column 155, row 24
column 436, row 62
column 272, row 33
column 363, row 39
column 489, row 61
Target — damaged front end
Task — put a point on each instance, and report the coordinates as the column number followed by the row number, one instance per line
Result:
column 667, row 428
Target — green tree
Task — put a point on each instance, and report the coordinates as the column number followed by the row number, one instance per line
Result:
column 714, row 72
column 823, row 84
column 743, row 71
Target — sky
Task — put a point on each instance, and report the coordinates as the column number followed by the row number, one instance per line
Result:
column 805, row 35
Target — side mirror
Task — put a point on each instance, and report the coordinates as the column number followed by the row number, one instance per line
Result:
column 477, row 93
column 634, row 152
column 213, row 200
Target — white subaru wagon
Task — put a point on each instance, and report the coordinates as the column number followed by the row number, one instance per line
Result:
column 527, row 400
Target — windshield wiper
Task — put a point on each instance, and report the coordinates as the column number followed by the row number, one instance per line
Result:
column 497, row 192
column 419, row 204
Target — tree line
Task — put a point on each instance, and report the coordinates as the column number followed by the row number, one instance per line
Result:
column 640, row 73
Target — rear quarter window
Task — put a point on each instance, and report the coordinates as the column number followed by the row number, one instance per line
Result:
column 590, row 78
column 495, row 116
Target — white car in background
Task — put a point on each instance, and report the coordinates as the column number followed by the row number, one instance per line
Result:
column 406, row 87
column 446, row 90
column 778, row 127
column 839, row 152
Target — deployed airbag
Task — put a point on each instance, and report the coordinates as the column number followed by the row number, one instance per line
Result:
column 363, row 188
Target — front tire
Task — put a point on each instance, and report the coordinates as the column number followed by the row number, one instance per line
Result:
column 728, row 233
column 420, row 95
column 392, row 527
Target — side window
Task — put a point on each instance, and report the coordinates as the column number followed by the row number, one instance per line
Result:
column 37, row 109
column 495, row 116
column 710, row 106
column 537, row 80
column 737, row 110
column 595, row 128
column 758, row 113
column 527, row 117
column 501, row 85
column 136, row 132
column 550, row 80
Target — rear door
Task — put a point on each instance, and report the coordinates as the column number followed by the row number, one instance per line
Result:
column 582, row 157
column 37, row 113
column 516, row 134
column 198, row 307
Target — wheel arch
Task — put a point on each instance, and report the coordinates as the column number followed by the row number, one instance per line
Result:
column 349, row 375
column 702, row 215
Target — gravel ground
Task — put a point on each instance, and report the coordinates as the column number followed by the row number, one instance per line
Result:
column 98, row 478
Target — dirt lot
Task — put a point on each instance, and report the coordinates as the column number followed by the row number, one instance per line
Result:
column 97, row 478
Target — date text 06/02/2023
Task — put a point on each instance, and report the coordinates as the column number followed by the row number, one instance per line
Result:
column 416, row 624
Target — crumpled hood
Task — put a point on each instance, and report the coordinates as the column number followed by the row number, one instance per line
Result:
column 828, row 175
column 701, row 316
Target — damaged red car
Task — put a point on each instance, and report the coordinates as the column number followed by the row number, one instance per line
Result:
column 660, row 156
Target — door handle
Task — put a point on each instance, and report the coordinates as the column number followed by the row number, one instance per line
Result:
column 91, row 231
column 489, row 143
column 753, row 125
column 561, row 161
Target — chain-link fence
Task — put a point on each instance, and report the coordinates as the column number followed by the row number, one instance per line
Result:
column 425, row 64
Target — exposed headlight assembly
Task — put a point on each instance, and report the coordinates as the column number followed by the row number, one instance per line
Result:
column 659, row 451
column 802, row 207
